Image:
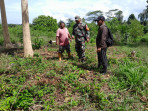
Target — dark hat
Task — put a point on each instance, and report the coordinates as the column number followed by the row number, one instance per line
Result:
column 62, row 22
column 100, row 18
column 77, row 17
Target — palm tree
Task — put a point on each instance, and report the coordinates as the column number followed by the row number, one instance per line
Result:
column 7, row 42
column 28, row 51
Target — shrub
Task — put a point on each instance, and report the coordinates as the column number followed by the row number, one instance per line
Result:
column 1, row 40
column 16, row 34
column 37, row 43
column 45, row 24
column 144, row 38
column 135, row 29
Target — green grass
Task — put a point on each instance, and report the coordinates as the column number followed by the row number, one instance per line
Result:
column 46, row 83
column 141, row 50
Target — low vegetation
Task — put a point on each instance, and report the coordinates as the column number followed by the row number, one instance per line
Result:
column 44, row 83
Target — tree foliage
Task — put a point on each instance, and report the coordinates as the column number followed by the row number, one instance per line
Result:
column 135, row 29
column 69, row 22
column 119, row 15
column 93, row 14
column 45, row 23
column 131, row 17
column 70, row 26
column 111, row 14
column 143, row 17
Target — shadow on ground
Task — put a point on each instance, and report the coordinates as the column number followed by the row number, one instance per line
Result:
column 11, row 51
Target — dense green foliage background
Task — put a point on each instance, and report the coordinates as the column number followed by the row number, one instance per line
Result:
column 45, row 27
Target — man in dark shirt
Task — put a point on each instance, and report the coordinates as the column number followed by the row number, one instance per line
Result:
column 101, row 44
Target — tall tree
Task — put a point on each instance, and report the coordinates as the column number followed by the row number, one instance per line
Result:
column 28, row 51
column 119, row 15
column 111, row 14
column 7, row 42
column 92, row 15
column 143, row 17
column 131, row 17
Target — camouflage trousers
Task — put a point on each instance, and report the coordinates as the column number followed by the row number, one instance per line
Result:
column 80, row 49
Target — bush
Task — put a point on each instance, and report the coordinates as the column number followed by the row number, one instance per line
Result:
column 1, row 40
column 16, row 34
column 37, row 43
column 135, row 29
column 93, row 30
column 51, row 34
column 146, row 29
column 45, row 24
column 144, row 38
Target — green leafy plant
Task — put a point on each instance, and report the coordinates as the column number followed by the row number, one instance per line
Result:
column 131, row 75
column 37, row 43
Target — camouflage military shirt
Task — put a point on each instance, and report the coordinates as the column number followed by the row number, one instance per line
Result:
column 81, row 32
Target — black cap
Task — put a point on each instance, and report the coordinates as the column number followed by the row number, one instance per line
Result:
column 100, row 18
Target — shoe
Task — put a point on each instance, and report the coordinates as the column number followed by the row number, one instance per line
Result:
column 102, row 72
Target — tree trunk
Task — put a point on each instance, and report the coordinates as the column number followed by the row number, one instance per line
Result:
column 7, row 42
column 28, row 51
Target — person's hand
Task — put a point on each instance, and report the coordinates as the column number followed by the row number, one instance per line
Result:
column 57, row 43
column 87, row 40
column 99, row 50
column 72, row 37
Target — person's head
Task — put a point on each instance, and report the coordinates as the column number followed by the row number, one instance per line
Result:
column 100, row 20
column 77, row 19
column 62, row 24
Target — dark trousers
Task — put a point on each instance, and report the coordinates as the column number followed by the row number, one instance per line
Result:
column 80, row 49
column 102, row 60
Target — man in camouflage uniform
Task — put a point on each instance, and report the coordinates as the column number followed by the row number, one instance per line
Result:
column 81, row 33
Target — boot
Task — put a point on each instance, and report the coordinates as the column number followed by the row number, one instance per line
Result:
column 60, row 56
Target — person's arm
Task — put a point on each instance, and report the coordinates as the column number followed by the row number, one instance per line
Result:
column 57, row 37
column 87, row 34
column 69, row 36
column 103, row 37
column 57, row 40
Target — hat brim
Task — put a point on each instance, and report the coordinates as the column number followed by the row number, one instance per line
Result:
column 96, row 19
column 76, row 19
